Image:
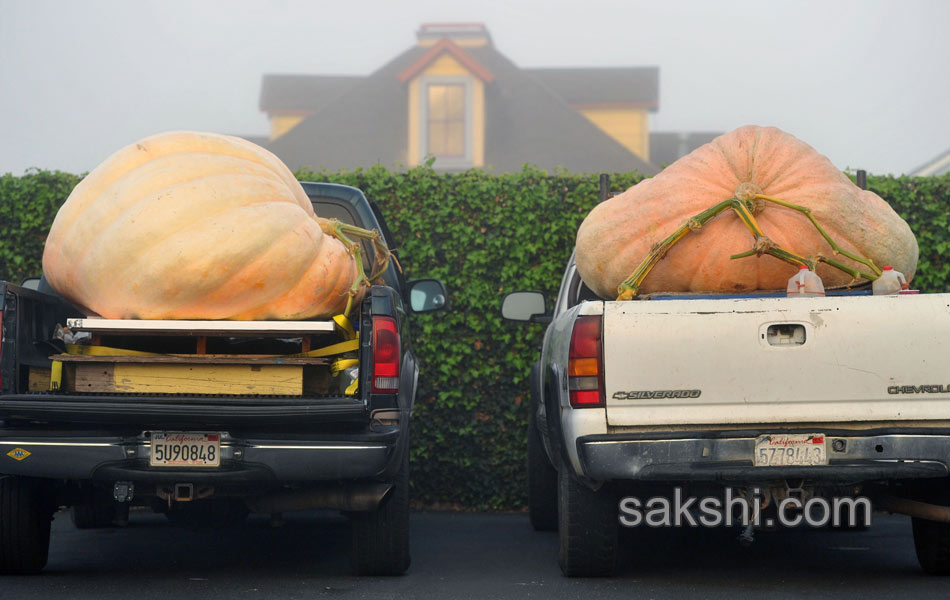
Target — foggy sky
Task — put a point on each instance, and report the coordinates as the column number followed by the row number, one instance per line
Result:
column 866, row 83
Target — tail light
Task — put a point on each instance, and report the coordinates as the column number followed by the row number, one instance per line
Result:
column 386, row 356
column 585, row 365
column 1, row 348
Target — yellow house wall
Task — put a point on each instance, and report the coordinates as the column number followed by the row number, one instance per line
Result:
column 629, row 126
column 282, row 123
column 446, row 65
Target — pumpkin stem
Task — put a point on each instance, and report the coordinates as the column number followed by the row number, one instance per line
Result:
column 342, row 232
column 744, row 209
column 628, row 289
column 834, row 246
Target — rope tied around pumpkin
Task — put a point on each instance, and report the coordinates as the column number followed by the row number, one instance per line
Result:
column 747, row 201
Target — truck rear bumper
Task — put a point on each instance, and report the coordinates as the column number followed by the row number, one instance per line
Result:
column 179, row 411
column 852, row 458
column 243, row 460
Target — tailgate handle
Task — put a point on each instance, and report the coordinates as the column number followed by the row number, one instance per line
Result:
column 785, row 334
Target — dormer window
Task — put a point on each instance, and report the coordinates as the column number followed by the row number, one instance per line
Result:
column 446, row 119
column 446, row 89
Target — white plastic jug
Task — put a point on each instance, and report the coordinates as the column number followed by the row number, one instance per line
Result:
column 890, row 282
column 805, row 283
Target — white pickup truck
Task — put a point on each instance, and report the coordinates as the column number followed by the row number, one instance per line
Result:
column 768, row 396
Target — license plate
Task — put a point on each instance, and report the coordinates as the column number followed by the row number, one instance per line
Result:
column 784, row 450
column 176, row 449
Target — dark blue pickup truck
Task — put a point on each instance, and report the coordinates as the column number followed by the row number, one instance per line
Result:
column 207, row 421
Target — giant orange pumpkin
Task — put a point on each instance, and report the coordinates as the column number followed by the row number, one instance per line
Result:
column 618, row 234
column 187, row 225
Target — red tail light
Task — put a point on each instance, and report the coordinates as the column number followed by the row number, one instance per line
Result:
column 585, row 365
column 386, row 356
column 1, row 346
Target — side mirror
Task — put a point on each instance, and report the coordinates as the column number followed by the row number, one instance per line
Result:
column 427, row 295
column 31, row 283
column 525, row 306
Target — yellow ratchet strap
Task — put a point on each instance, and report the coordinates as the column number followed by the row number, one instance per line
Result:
column 340, row 364
column 338, row 348
column 56, row 376
column 337, row 366
column 344, row 323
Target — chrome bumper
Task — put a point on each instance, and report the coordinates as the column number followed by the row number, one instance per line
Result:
column 851, row 458
column 242, row 460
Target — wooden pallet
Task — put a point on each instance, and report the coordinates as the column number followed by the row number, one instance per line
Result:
column 121, row 371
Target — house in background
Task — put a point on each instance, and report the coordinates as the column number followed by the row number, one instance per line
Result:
column 454, row 97
column 938, row 166
column 666, row 147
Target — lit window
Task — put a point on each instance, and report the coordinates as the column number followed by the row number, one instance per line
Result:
column 446, row 120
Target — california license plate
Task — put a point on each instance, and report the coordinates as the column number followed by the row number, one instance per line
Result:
column 180, row 449
column 785, row 450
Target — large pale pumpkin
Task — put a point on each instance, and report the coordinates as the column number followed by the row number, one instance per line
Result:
column 619, row 233
column 187, row 225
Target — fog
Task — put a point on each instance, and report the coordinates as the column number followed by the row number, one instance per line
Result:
column 864, row 82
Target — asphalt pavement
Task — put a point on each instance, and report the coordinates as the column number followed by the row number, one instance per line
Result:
column 468, row 555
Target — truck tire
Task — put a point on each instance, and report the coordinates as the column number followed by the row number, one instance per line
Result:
column 588, row 526
column 91, row 516
column 542, row 481
column 381, row 536
column 932, row 543
column 25, row 515
column 96, row 509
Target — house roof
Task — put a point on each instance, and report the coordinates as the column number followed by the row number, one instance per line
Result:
column 260, row 140
column 458, row 31
column 607, row 86
column 938, row 166
column 525, row 122
column 303, row 92
column 446, row 45
column 666, row 147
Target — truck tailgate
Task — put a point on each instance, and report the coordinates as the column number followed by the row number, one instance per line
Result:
column 777, row 360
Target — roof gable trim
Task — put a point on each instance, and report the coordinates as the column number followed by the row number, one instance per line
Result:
column 446, row 45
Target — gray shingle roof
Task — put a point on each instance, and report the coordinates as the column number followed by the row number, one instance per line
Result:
column 303, row 92
column 526, row 122
column 938, row 166
column 606, row 85
column 666, row 147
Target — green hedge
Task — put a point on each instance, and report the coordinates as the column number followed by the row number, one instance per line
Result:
column 484, row 235
column 27, row 207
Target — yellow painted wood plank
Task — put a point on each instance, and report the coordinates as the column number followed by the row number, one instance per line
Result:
column 92, row 378
column 39, row 379
column 209, row 379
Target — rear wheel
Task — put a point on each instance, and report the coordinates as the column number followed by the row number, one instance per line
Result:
column 542, row 481
column 932, row 538
column 932, row 543
column 588, row 526
column 381, row 536
column 25, row 514
column 96, row 510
